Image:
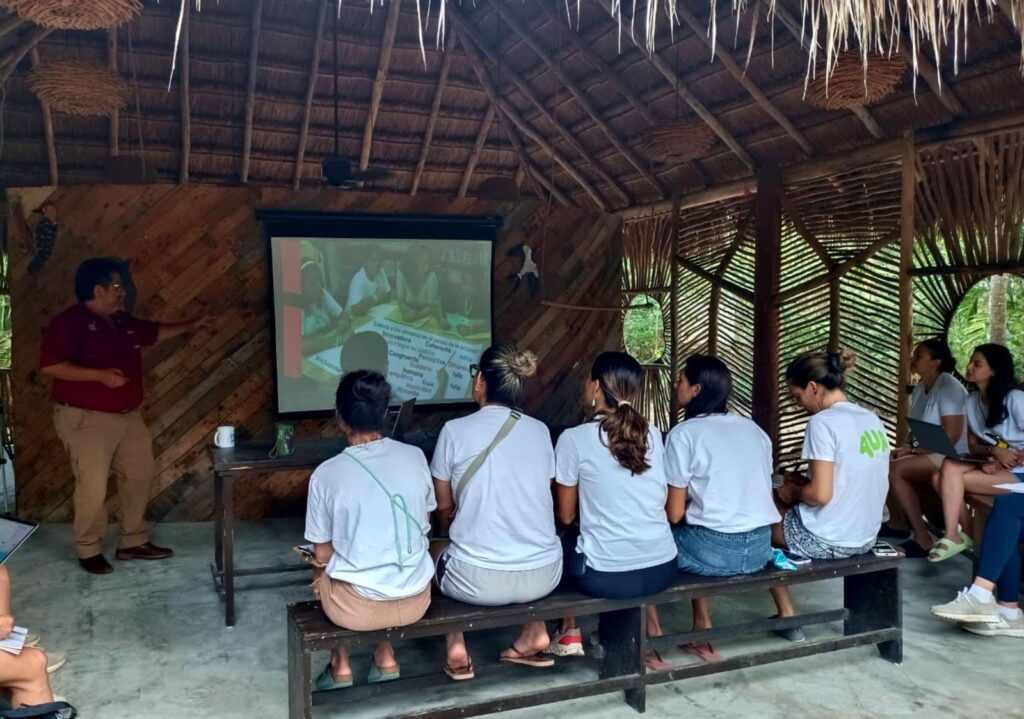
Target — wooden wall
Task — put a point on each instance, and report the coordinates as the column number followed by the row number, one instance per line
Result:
column 199, row 249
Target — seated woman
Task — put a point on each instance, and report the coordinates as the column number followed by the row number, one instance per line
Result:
column 369, row 287
column 938, row 398
column 995, row 418
column 368, row 516
column 417, row 289
column 837, row 513
column 999, row 570
column 322, row 316
column 492, row 477
column 722, row 464
column 24, row 676
column 611, row 473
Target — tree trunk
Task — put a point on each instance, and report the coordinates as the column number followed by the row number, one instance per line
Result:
column 997, row 309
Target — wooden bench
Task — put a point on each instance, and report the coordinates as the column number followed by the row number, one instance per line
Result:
column 871, row 614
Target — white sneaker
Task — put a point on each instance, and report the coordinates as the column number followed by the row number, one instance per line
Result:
column 55, row 660
column 1002, row 627
column 966, row 608
column 566, row 644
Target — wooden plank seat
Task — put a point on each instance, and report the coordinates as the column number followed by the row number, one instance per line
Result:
column 871, row 614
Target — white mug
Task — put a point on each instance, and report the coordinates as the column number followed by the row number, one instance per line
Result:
column 224, row 437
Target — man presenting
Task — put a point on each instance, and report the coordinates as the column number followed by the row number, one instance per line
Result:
column 93, row 351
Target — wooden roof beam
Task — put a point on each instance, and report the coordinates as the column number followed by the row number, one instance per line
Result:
column 741, row 77
column 435, row 108
column 468, row 31
column 532, row 170
column 508, row 110
column 114, row 123
column 314, row 69
column 944, row 94
column 478, row 146
column 9, row 61
column 377, row 94
column 862, row 113
column 10, row 24
column 250, row 89
column 183, row 92
column 51, row 145
column 642, row 166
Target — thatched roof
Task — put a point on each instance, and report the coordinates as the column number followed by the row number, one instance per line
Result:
column 579, row 120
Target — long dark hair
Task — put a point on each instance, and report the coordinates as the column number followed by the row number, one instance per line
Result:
column 826, row 368
column 1003, row 380
column 620, row 378
column 715, row 382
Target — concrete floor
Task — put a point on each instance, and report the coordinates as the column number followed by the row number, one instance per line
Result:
column 149, row 641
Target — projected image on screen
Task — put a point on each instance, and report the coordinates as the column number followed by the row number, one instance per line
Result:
column 417, row 311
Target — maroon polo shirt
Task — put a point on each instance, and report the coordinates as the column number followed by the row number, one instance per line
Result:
column 80, row 336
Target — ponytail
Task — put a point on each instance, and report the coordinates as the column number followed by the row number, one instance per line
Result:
column 620, row 378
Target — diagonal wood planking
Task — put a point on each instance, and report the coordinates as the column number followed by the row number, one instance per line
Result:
column 199, row 248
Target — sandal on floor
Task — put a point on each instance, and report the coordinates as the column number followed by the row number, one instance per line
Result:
column 945, row 548
column 654, row 661
column 703, row 651
column 325, row 682
column 460, row 674
column 912, row 549
column 537, row 661
column 377, row 676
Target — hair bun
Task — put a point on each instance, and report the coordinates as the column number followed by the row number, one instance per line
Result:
column 523, row 363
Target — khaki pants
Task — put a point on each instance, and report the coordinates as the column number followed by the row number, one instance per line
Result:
column 349, row 609
column 98, row 444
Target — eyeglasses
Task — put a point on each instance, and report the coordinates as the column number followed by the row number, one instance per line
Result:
column 116, row 286
column 474, row 370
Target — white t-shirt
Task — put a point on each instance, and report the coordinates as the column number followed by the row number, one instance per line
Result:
column 349, row 509
column 506, row 518
column 321, row 315
column 947, row 398
column 623, row 525
column 1011, row 429
column 362, row 287
column 854, row 440
column 725, row 462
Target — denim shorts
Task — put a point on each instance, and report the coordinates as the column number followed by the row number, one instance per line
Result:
column 709, row 553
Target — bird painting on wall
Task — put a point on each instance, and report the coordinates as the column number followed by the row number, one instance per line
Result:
column 529, row 270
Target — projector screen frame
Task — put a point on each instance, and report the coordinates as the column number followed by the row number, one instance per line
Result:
column 356, row 225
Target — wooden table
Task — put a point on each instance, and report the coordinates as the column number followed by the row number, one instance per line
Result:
column 230, row 464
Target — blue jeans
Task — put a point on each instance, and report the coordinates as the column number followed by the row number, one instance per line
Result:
column 614, row 585
column 709, row 553
column 1000, row 561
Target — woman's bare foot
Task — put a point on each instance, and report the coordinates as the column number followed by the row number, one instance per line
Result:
column 533, row 640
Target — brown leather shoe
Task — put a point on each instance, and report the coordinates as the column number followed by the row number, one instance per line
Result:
column 144, row 551
column 96, row 565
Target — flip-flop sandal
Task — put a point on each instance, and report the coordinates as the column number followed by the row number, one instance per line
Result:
column 703, row 651
column 325, row 682
column 912, row 549
column 654, row 661
column 459, row 674
column 944, row 548
column 537, row 661
column 377, row 676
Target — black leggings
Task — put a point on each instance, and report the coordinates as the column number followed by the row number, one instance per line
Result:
column 614, row 585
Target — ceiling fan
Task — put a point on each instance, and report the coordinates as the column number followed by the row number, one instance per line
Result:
column 337, row 170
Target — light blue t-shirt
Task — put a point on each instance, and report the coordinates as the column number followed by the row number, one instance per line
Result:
column 623, row 525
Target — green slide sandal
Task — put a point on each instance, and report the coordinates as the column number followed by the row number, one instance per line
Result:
column 944, row 548
column 390, row 675
column 325, row 682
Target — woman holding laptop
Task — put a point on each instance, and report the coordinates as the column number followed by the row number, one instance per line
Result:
column 938, row 398
column 995, row 420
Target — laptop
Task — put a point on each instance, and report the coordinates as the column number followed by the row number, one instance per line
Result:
column 13, row 533
column 403, row 420
column 933, row 438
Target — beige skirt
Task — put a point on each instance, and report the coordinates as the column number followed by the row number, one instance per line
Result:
column 349, row 609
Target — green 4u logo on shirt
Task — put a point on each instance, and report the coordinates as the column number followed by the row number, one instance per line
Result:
column 873, row 442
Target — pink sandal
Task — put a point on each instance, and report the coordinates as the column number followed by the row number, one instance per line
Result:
column 703, row 651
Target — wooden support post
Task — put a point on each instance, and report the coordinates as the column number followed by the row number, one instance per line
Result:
column 51, row 145
column 435, row 109
column 714, row 311
column 478, row 146
column 9, row 62
column 114, row 125
column 907, row 190
column 833, row 315
column 768, row 256
column 377, row 93
column 675, row 352
column 183, row 89
column 250, row 89
column 314, row 69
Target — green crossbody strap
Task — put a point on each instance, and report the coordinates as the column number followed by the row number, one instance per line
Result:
column 503, row 432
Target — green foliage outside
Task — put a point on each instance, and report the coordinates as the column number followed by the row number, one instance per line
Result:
column 643, row 330
column 971, row 325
